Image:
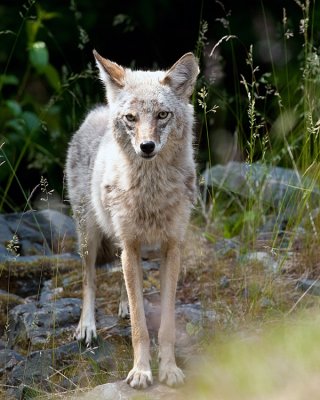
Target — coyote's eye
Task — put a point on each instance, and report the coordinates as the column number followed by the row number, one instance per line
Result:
column 130, row 117
column 163, row 114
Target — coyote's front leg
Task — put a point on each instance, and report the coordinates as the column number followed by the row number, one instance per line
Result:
column 169, row 273
column 140, row 376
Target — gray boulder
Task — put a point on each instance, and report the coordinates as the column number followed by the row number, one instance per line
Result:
column 37, row 367
column 309, row 286
column 37, row 323
column 281, row 188
column 5, row 236
column 39, row 232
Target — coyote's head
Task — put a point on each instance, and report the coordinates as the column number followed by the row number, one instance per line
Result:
column 149, row 110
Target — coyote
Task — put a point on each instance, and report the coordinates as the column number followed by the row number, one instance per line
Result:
column 132, row 182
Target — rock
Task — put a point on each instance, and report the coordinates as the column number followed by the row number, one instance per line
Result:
column 41, row 232
column 35, row 370
column 195, row 313
column 7, row 302
column 224, row 282
column 22, row 269
column 21, row 225
column 150, row 265
column 5, row 231
column 310, row 286
column 8, row 359
column 310, row 221
column 27, row 273
column 3, row 252
column 265, row 302
column 280, row 188
column 265, row 259
column 122, row 391
column 225, row 247
column 5, row 236
column 48, row 293
column 10, row 298
column 37, row 323
column 38, row 365
column 111, row 325
column 274, row 226
column 193, row 323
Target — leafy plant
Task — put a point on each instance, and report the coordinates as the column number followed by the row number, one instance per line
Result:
column 275, row 115
column 33, row 101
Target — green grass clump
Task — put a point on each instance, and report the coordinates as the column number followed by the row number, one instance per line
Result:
column 280, row 363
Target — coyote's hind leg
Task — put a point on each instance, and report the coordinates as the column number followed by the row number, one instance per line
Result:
column 86, row 330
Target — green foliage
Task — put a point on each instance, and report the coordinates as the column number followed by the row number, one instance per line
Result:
column 280, row 363
column 34, row 123
column 275, row 113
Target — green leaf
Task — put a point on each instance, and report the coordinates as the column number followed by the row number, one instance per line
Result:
column 210, row 237
column 14, row 107
column 53, row 77
column 8, row 80
column 31, row 121
column 45, row 16
column 16, row 125
column 32, row 28
column 39, row 55
column 250, row 216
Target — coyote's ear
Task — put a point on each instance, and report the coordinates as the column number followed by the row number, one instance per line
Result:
column 182, row 75
column 111, row 74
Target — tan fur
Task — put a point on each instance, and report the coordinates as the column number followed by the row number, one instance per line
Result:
column 126, row 194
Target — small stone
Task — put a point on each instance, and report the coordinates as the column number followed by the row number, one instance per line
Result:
column 195, row 313
column 224, row 282
column 310, row 286
column 265, row 302
column 226, row 247
column 48, row 293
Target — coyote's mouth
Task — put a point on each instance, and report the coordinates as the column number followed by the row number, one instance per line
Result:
column 148, row 156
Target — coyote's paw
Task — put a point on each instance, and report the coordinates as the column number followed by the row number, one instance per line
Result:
column 86, row 332
column 171, row 375
column 139, row 378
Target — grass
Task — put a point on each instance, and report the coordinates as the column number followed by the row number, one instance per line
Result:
column 282, row 362
column 263, row 341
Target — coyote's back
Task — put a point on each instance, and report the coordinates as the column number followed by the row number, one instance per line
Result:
column 131, row 181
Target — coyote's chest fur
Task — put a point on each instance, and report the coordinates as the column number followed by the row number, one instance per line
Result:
column 149, row 205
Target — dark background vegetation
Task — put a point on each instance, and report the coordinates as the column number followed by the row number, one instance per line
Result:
column 44, row 94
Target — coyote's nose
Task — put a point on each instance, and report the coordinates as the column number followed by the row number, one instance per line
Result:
column 147, row 147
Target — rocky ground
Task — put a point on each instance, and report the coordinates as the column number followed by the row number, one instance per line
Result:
column 40, row 300
column 225, row 285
